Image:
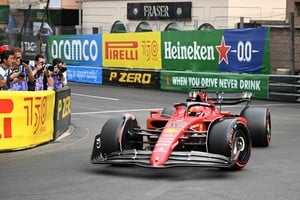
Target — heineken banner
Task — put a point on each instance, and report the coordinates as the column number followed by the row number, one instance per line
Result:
column 234, row 50
column 257, row 84
column 76, row 49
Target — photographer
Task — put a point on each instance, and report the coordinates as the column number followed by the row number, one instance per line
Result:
column 7, row 58
column 18, row 81
column 43, row 79
column 58, row 70
column 22, row 76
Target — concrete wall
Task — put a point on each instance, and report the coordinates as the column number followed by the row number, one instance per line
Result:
column 293, row 6
column 280, row 54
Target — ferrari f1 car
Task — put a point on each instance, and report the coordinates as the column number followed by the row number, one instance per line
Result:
column 197, row 132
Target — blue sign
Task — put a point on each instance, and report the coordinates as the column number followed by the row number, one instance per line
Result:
column 244, row 51
column 76, row 49
column 84, row 74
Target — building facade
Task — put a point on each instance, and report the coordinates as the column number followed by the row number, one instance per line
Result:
column 61, row 15
column 221, row 14
column 294, row 7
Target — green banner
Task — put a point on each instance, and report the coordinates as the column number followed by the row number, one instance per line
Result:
column 190, row 50
column 181, row 81
column 229, row 50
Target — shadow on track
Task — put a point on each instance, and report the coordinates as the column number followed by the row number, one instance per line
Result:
column 179, row 173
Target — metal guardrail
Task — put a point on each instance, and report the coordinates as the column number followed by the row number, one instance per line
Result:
column 284, row 88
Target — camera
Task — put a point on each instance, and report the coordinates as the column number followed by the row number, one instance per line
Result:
column 49, row 67
column 21, row 75
column 24, row 61
column 62, row 69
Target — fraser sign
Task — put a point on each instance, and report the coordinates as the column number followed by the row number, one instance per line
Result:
column 76, row 49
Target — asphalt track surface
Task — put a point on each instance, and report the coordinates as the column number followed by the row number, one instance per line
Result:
column 62, row 169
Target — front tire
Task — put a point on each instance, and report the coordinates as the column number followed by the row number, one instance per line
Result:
column 117, row 134
column 230, row 138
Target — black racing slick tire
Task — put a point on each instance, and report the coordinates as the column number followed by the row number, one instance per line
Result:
column 117, row 134
column 230, row 138
column 259, row 125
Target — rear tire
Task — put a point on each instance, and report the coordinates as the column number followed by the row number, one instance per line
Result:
column 226, row 138
column 259, row 125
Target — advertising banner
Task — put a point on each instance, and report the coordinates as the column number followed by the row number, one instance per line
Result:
column 62, row 110
column 132, row 50
column 76, row 49
column 236, row 50
column 32, row 45
column 84, row 74
column 257, row 84
column 26, row 119
column 131, row 78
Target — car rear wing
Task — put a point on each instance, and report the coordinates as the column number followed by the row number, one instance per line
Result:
column 230, row 98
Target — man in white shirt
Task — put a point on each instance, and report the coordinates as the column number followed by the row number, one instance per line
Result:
column 7, row 58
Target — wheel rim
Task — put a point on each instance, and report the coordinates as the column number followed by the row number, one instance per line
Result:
column 241, row 148
column 239, row 145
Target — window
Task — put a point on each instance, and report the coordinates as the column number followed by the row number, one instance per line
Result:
column 143, row 27
column 297, row 8
column 173, row 26
column 118, row 27
column 206, row 26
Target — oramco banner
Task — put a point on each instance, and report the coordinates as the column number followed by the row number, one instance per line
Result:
column 257, row 84
column 236, row 50
column 76, row 49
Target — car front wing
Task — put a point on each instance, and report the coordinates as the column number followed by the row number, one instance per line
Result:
column 176, row 159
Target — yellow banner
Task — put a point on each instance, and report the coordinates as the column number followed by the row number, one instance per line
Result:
column 26, row 118
column 132, row 50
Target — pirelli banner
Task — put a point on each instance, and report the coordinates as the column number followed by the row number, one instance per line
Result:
column 132, row 50
column 131, row 78
column 181, row 81
column 26, row 119
column 62, row 111
column 234, row 50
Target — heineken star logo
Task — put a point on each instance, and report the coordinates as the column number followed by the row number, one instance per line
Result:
column 223, row 50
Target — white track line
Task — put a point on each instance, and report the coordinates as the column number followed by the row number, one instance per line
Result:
column 114, row 111
column 95, row 97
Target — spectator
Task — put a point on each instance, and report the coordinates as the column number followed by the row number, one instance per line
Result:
column 58, row 71
column 3, row 48
column 43, row 79
column 7, row 58
column 25, row 72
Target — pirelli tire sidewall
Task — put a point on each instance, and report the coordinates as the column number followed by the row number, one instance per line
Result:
column 222, row 136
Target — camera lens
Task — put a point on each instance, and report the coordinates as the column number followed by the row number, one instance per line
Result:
column 21, row 75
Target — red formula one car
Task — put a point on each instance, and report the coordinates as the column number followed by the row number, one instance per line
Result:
column 196, row 132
